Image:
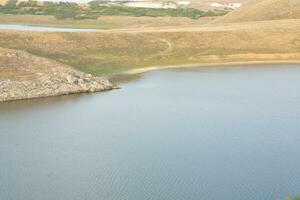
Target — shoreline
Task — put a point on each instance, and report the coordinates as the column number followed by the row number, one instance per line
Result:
column 59, row 95
column 103, row 88
column 111, row 85
column 195, row 65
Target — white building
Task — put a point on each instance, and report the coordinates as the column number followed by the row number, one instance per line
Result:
column 183, row 3
column 228, row 5
column 149, row 4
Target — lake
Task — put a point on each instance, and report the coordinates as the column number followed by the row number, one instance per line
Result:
column 208, row 133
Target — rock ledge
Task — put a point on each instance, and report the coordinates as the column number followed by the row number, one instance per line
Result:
column 25, row 76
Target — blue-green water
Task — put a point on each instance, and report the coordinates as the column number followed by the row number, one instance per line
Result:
column 228, row 133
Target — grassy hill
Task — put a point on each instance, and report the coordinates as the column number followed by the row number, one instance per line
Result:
column 260, row 10
column 114, row 51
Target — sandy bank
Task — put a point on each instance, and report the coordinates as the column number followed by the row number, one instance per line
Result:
column 153, row 68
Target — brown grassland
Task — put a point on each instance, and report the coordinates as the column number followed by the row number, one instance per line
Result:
column 115, row 51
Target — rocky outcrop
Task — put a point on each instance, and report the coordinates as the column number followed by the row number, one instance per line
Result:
column 24, row 76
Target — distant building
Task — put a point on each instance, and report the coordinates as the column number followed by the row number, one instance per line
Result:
column 156, row 4
column 228, row 5
column 149, row 4
column 183, row 3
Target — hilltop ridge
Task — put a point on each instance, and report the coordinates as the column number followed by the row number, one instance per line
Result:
column 261, row 10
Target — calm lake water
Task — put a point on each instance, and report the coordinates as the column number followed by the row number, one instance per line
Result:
column 43, row 28
column 213, row 133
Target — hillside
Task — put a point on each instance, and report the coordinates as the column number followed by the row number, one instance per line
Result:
column 114, row 51
column 260, row 10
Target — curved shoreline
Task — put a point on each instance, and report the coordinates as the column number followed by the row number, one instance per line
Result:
column 107, row 85
column 195, row 65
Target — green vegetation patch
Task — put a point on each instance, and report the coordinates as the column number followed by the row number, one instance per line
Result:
column 95, row 9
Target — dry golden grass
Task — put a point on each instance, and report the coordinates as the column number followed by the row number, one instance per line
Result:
column 260, row 10
column 115, row 51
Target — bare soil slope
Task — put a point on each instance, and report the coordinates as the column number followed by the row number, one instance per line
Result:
column 261, row 10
